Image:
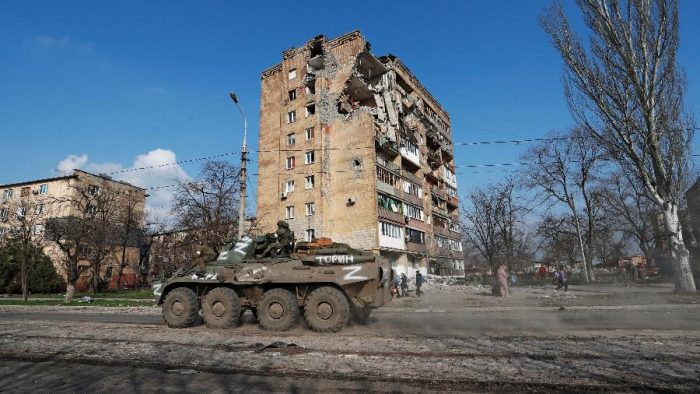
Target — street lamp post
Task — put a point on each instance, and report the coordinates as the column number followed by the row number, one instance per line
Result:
column 244, row 175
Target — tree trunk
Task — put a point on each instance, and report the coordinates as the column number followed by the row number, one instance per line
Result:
column 121, row 268
column 580, row 244
column 24, row 280
column 70, row 291
column 680, row 257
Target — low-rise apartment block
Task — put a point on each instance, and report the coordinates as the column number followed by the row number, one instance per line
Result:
column 33, row 203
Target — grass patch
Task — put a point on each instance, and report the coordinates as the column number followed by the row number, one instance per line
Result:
column 127, row 294
column 58, row 302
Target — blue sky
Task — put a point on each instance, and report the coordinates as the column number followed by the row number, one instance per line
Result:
column 129, row 83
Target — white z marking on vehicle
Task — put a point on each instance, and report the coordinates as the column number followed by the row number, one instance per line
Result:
column 351, row 275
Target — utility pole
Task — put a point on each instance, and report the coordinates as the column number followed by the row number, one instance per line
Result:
column 244, row 175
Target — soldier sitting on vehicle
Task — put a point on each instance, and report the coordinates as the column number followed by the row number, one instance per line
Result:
column 284, row 244
column 204, row 254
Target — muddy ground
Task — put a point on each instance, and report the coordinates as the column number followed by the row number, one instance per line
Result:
column 595, row 338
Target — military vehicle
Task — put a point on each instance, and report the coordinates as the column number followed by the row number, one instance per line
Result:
column 328, row 283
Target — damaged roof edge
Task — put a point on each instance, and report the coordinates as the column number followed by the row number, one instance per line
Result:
column 394, row 59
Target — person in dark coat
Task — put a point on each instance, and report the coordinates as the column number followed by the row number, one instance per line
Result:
column 404, row 285
column 419, row 283
column 563, row 279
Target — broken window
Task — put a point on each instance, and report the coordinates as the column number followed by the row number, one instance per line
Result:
column 7, row 194
column 44, row 189
column 415, row 236
column 389, row 203
column 309, row 235
column 309, row 157
column 2, row 231
column 24, row 192
column 289, row 186
column 291, row 162
column 310, row 109
column 310, row 209
column 3, row 214
column 309, row 182
column 291, row 116
column 292, row 94
column 109, row 272
column 289, row 212
column 38, row 229
column 291, row 139
column 311, row 87
column 292, row 74
column 91, row 210
column 356, row 163
column 309, row 133
column 93, row 190
column 39, row 209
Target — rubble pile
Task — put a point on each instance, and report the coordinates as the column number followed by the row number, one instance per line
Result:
column 452, row 284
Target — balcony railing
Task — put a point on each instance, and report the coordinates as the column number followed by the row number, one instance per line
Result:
column 440, row 211
column 452, row 200
column 395, row 217
column 439, row 230
column 416, row 247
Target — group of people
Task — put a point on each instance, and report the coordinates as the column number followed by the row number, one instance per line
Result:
column 500, row 287
column 401, row 284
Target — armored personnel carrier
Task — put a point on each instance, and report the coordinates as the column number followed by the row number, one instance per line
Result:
column 328, row 283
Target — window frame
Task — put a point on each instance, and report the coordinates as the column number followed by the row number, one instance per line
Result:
column 289, row 212
column 309, row 157
column 309, row 180
column 310, row 208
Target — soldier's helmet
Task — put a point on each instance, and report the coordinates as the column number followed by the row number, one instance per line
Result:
column 282, row 223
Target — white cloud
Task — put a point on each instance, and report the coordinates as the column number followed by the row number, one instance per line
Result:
column 152, row 169
column 70, row 163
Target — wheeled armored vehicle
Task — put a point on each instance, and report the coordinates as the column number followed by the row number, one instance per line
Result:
column 327, row 283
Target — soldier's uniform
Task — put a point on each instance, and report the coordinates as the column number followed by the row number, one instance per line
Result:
column 285, row 241
column 205, row 254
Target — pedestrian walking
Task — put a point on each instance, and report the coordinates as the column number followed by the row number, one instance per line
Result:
column 563, row 279
column 419, row 283
column 502, row 281
column 404, row 285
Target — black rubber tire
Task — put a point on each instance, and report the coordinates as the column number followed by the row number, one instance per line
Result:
column 361, row 315
column 278, row 310
column 181, row 308
column 221, row 308
column 326, row 309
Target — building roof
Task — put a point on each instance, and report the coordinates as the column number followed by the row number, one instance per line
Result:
column 64, row 177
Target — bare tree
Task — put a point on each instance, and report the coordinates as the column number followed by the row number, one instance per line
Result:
column 493, row 224
column 130, row 217
column 558, row 238
column 207, row 207
column 633, row 213
column 625, row 90
column 86, row 236
column 564, row 169
column 26, row 216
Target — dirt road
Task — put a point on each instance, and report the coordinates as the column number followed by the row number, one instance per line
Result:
column 513, row 344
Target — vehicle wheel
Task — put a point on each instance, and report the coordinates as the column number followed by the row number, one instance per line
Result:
column 221, row 308
column 277, row 310
column 180, row 308
column 326, row 309
column 361, row 315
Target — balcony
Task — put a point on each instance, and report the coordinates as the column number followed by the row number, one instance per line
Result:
column 416, row 224
column 452, row 200
column 411, row 177
column 439, row 230
column 391, row 216
column 434, row 160
column 416, row 247
column 438, row 192
column 440, row 211
column 386, row 145
column 439, row 251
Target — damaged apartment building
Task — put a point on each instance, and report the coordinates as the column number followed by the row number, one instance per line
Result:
column 354, row 148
